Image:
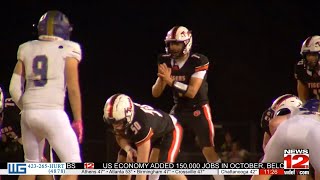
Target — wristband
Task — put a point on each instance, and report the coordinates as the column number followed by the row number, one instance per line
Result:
column 180, row 87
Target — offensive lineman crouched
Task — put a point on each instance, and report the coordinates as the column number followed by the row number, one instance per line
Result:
column 145, row 127
column 299, row 130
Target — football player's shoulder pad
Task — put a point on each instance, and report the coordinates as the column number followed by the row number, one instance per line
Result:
column 23, row 49
column 199, row 59
column 72, row 49
column 72, row 45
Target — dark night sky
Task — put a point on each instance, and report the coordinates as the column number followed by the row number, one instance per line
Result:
column 252, row 47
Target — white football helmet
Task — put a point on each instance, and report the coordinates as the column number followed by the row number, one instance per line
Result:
column 288, row 101
column 311, row 44
column 180, row 34
column 119, row 108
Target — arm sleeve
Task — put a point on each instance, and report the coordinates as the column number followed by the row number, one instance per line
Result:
column 201, row 62
column 201, row 66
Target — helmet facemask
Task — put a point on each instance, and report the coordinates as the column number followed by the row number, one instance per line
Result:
column 311, row 60
column 310, row 51
column 118, row 126
column 177, row 51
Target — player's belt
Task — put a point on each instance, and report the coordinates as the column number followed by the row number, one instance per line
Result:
column 198, row 105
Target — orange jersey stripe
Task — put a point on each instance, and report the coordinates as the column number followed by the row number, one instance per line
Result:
column 202, row 68
column 207, row 113
column 175, row 145
column 150, row 134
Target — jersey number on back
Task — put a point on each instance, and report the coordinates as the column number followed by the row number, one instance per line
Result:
column 148, row 109
column 135, row 127
column 40, row 69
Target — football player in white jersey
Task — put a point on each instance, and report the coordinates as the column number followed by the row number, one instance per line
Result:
column 45, row 69
column 276, row 114
column 279, row 107
column 297, row 130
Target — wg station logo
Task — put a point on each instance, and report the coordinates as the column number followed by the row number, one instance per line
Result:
column 296, row 159
column 17, row 168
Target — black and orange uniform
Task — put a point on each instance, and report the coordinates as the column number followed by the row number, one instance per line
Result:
column 11, row 150
column 310, row 78
column 12, row 120
column 159, row 127
column 192, row 113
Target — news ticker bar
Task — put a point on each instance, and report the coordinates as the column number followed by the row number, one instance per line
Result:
column 178, row 165
column 93, row 169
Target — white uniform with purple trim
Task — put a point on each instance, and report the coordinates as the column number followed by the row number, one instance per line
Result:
column 43, row 114
column 299, row 131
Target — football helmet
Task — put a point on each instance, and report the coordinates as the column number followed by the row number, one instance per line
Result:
column 312, row 105
column 54, row 24
column 311, row 45
column 119, row 108
column 286, row 101
column 179, row 34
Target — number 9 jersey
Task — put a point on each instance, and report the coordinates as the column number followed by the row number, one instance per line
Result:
column 44, row 63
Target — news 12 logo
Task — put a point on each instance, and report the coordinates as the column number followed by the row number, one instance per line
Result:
column 89, row 165
column 296, row 158
column 17, row 168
